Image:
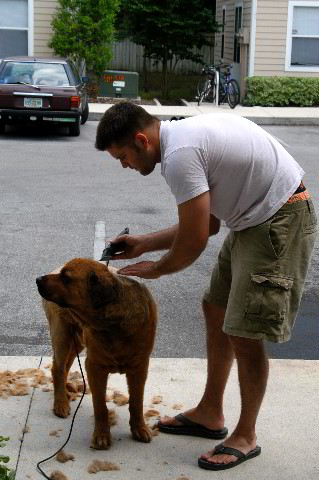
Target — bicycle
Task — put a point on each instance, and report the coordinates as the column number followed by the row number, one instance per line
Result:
column 228, row 87
column 206, row 87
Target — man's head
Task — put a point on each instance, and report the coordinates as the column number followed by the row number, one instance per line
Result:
column 131, row 135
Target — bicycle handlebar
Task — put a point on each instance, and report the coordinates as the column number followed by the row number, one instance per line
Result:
column 213, row 68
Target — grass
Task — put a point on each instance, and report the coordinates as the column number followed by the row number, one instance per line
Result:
column 179, row 86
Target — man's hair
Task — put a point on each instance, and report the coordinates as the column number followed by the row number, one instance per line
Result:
column 119, row 124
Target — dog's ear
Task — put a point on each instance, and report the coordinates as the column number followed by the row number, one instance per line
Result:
column 100, row 292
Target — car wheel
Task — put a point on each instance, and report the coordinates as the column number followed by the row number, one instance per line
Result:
column 2, row 127
column 74, row 129
column 85, row 113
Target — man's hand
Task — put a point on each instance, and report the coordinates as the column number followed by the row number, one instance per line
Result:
column 134, row 246
column 142, row 269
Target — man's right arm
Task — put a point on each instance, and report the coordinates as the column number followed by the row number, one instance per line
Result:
column 136, row 245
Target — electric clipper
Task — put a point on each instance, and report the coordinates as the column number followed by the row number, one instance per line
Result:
column 113, row 248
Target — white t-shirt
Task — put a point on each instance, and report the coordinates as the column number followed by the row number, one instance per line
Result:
column 248, row 173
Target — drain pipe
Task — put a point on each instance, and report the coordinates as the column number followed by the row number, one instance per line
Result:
column 252, row 46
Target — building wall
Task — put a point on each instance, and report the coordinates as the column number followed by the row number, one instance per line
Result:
column 230, row 26
column 271, row 37
column 43, row 11
column 229, row 31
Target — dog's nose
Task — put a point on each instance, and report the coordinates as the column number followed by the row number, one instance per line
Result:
column 38, row 280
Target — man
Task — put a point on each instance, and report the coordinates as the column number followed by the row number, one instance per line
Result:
column 223, row 167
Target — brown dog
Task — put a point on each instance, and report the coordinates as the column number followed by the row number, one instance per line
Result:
column 114, row 317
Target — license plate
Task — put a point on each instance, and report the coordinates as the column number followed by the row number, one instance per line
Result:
column 33, row 102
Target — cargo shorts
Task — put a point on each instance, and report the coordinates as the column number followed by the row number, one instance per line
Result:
column 260, row 274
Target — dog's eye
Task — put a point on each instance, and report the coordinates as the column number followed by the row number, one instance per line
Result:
column 66, row 279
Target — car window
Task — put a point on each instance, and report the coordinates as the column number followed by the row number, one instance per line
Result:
column 75, row 73
column 51, row 74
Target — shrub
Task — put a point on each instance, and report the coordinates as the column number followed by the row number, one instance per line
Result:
column 5, row 472
column 282, row 91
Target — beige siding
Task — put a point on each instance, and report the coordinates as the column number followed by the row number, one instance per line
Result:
column 43, row 11
column 228, row 32
column 271, row 36
column 230, row 26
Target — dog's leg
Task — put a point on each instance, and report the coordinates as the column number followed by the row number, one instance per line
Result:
column 97, row 377
column 61, row 342
column 72, row 355
column 136, row 383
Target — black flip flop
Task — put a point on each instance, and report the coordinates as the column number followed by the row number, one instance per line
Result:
column 192, row 428
column 228, row 451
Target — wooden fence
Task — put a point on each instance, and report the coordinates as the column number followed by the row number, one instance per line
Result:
column 129, row 56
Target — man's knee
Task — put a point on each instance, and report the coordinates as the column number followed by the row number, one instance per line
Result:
column 247, row 346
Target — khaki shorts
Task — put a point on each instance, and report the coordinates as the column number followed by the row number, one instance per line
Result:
column 260, row 274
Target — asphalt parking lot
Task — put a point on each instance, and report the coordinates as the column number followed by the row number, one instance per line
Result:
column 54, row 188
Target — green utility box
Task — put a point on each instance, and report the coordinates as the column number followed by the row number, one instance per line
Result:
column 115, row 83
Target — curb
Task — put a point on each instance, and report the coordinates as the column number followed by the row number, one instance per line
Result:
column 269, row 120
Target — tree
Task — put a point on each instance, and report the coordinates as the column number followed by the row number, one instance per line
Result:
column 167, row 29
column 83, row 30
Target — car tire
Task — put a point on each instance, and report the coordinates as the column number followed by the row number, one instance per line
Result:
column 74, row 129
column 2, row 127
column 85, row 113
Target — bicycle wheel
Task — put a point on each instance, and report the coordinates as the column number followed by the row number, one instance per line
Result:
column 233, row 93
column 221, row 94
column 201, row 85
column 204, row 92
column 211, row 95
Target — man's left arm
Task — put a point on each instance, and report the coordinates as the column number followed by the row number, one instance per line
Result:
column 194, row 227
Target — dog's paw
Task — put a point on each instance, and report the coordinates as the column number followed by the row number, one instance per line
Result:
column 142, row 433
column 61, row 409
column 101, row 440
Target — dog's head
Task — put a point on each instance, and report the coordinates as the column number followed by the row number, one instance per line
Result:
column 82, row 284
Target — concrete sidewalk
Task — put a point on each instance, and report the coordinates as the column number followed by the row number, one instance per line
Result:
column 259, row 115
column 287, row 426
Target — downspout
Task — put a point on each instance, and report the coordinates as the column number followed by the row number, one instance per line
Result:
column 30, row 28
column 252, row 42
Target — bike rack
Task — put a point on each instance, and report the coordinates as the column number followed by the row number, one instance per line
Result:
column 217, row 87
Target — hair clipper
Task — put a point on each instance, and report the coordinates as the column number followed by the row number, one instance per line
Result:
column 113, row 248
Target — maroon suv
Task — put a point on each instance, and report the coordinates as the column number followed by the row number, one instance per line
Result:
column 37, row 90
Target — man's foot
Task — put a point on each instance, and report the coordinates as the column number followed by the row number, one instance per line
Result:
column 207, row 420
column 239, row 443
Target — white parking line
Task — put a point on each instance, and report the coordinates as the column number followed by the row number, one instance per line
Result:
column 99, row 240
column 284, row 144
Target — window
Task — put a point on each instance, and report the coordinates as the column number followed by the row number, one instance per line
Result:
column 75, row 73
column 14, row 27
column 52, row 74
column 223, row 32
column 302, row 53
column 238, row 26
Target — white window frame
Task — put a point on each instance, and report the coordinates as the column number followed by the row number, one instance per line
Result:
column 288, row 66
column 238, row 5
column 29, row 29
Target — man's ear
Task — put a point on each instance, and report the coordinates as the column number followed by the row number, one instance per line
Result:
column 101, row 293
column 141, row 140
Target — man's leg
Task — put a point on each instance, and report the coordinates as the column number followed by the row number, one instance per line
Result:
column 253, row 375
column 220, row 355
